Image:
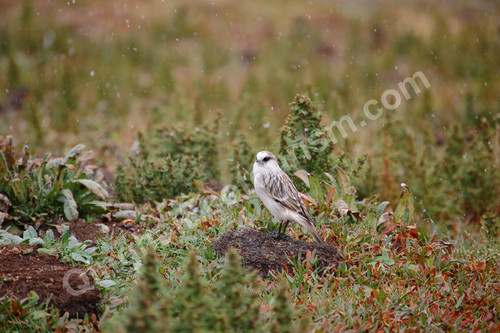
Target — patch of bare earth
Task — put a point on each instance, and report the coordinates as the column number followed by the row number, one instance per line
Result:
column 84, row 230
column 24, row 269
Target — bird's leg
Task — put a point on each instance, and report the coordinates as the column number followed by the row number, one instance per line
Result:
column 277, row 235
column 279, row 229
column 284, row 229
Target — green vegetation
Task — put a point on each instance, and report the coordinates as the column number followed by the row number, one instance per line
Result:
column 40, row 189
column 173, row 95
column 303, row 141
column 231, row 303
column 29, row 315
column 396, row 269
column 168, row 164
column 68, row 248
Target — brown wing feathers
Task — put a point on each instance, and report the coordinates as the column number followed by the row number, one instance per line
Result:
column 283, row 191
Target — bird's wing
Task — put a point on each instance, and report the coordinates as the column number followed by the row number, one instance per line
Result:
column 282, row 190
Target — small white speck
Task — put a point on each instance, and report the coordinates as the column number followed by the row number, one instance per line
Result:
column 92, row 73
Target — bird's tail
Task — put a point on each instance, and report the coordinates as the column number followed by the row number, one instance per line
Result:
column 316, row 236
column 308, row 224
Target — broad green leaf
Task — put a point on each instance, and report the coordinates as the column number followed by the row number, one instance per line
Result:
column 303, row 175
column 106, row 283
column 315, row 189
column 36, row 241
column 94, row 188
column 381, row 209
column 78, row 257
column 51, row 251
column 73, row 152
column 50, row 236
column 344, row 182
column 406, row 216
column 73, row 243
column 90, row 250
column 70, row 207
column 30, row 233
column 7, row 238
column 65, row 235
column 405, row 209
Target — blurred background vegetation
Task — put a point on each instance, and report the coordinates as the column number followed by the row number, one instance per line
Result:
column 101, row 72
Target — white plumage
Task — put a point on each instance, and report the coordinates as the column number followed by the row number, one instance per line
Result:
column 279, row 195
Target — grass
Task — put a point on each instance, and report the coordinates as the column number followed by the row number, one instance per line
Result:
column 101, row 73
column 396, row 276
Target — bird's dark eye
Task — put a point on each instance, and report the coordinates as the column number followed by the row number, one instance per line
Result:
column 267, row 158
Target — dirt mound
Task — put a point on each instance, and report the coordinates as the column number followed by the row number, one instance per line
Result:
column 23, row 268
column 263, row 252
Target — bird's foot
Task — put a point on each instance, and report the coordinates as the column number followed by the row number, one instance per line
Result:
column 275, row 234
column 279, row 236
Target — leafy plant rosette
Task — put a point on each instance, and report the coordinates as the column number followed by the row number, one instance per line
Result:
column 68, row 248
column 36, row 189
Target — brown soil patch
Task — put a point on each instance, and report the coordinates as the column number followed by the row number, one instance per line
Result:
column 23, row 268
column 102, row 227
column 84, row 230
column 264, row 253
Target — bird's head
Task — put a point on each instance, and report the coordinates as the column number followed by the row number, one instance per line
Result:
column 266, row 159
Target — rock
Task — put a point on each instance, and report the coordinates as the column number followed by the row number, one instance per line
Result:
column 263, row 252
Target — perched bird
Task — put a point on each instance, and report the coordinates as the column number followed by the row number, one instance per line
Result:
column 279, row 195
